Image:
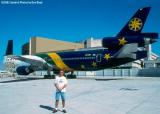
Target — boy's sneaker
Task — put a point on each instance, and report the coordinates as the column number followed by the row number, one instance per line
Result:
column 54, row 110
column 64, row 111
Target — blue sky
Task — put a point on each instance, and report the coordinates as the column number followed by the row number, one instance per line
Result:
column 71, row 20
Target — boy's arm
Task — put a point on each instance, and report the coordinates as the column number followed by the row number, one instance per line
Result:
column 65, row 85
column 56, row 85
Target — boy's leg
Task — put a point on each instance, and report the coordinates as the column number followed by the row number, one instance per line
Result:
column 56, row 104
column 57, row 95
column 63, row 103
column 63, row 96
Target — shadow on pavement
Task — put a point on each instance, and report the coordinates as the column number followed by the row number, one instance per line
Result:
column 19, row 80
column 108, row 79
column 46, row 107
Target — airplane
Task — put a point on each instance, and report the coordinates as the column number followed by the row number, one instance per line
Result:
column 127, row 46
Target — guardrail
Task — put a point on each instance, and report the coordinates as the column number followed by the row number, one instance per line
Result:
column 152, row 72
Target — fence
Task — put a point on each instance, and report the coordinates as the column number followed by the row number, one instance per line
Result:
column 148, row 72
column 152, row 72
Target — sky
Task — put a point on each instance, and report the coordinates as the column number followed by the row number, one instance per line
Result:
column 71, row 20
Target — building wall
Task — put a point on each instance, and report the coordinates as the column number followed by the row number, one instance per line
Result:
column 32, row 47
column 39, row 45
column 91, row 42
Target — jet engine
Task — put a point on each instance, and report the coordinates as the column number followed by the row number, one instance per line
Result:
column 24, row 70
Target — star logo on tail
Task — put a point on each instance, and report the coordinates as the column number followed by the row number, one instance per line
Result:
column 135, row 24
column 82, row 66
column 94, row 64
column 107, row 56
column 122, row 41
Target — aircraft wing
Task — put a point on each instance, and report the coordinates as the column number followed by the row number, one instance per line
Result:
column 36, row 64
column 28, row 60
column 127, row 51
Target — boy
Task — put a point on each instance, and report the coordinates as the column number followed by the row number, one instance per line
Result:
column 60, row 84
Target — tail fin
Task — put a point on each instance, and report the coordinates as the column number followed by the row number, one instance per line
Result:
column 9, row 50
column 135, row 25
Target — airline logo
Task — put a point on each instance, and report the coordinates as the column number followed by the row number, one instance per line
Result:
column 59, row 62
column 122, row 41
column 135, row 24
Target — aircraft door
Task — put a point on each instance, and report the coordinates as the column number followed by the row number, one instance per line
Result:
column 98, row 57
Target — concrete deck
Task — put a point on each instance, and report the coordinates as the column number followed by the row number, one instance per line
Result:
column 123, row 96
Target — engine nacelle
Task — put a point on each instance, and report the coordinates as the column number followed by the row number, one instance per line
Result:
column 110, row 42
column 117, row 42
column 24, row 70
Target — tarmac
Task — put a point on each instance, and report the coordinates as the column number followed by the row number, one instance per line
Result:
column 131, row 95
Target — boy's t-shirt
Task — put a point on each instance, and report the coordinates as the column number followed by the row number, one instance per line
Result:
column 61, row 81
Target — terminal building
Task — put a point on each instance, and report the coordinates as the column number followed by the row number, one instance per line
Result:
column 41, row 45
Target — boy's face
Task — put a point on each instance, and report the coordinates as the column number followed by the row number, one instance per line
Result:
column 61, row 73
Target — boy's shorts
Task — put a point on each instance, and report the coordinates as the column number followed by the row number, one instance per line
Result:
column 60, row 94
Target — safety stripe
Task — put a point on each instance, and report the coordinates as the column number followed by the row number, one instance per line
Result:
column 58, row 61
